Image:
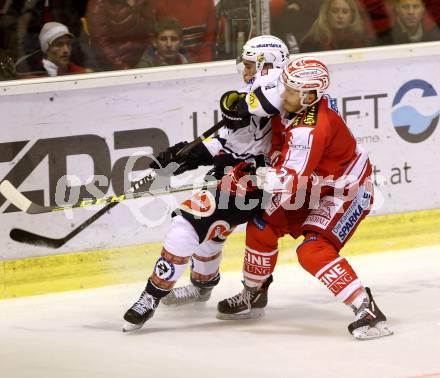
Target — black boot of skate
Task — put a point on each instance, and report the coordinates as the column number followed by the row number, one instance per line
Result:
column 370, row 322
column 143, row 309
column 248, row 304
column 197, row 291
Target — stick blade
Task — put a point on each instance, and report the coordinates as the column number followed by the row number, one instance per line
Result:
column 11, row 193
column 26, row 237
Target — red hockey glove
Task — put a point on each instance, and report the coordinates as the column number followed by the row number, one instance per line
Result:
column 239, row 180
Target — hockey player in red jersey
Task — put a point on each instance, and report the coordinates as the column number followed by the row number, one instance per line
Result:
column 200, row 226
column 321, row 188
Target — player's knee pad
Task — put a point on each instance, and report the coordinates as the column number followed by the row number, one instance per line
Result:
column 168, row 270
column 319, row 257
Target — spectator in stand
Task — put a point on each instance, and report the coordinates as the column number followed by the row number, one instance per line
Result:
column 408, row 25
column 8, row 24
column 290, row 20
column 72, row 14
column 32, row 14
column 167, row 46
column 378, row 12
column 338, row 26
column 197, row 18
column 433, row 12
column 54, row 57
column 119, row 31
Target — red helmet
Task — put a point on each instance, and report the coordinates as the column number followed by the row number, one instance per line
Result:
column 306, row 74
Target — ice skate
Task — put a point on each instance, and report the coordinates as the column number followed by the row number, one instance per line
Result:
column 187, row 294
column 248, row 304
column 197, row 291
column 140, row 312
column 370, row 322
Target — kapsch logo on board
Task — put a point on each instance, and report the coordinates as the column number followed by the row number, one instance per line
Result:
column 416, row 111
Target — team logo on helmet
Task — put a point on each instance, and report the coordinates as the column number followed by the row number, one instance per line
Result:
column 260, row 58
column 415, row 125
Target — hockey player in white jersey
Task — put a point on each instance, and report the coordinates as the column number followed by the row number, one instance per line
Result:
column 202, row 223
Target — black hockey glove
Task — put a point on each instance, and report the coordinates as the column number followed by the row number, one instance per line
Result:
column 168, row 156
column 234, row 110
column 221, row 162
column 199, row 155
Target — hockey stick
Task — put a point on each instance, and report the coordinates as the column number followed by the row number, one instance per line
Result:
column 27, row 237
column 24, row 236
column 23, row 203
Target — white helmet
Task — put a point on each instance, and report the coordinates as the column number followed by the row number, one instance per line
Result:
column 266, row 49
column 305, row 74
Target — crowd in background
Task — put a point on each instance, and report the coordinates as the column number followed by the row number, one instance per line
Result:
column 55, row 37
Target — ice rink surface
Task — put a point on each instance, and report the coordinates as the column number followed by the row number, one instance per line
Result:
column 303, row 334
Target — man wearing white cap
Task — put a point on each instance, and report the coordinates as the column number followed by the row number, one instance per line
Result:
column 56, row 48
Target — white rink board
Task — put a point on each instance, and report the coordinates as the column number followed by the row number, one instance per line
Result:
column 100, row 108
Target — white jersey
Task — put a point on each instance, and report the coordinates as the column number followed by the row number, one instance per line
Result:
column 263, row 102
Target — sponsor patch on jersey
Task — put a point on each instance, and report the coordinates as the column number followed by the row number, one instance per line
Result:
column 218, row 229
column 269, row 86
column 201, row 204
column 164, row 269
column 300, row 147
column 352, row 215
column 252, row 101
column 321, row 216
column 308, row 239
column 326, row 209
column 296, row 121
column 259, row 222
column 333, row 104
column 337, row 276
column 311, row 116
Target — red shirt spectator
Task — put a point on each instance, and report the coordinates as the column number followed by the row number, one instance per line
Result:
column 379, row 14
column 433, row 13
column 197, row 18
column 119, row 31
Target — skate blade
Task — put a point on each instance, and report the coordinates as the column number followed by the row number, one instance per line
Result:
column 255, row 313
column 129, row 327
column 177, row 303
column 381, row 329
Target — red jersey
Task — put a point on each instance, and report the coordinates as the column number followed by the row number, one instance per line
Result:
column 198, row 22
column 318, row 144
